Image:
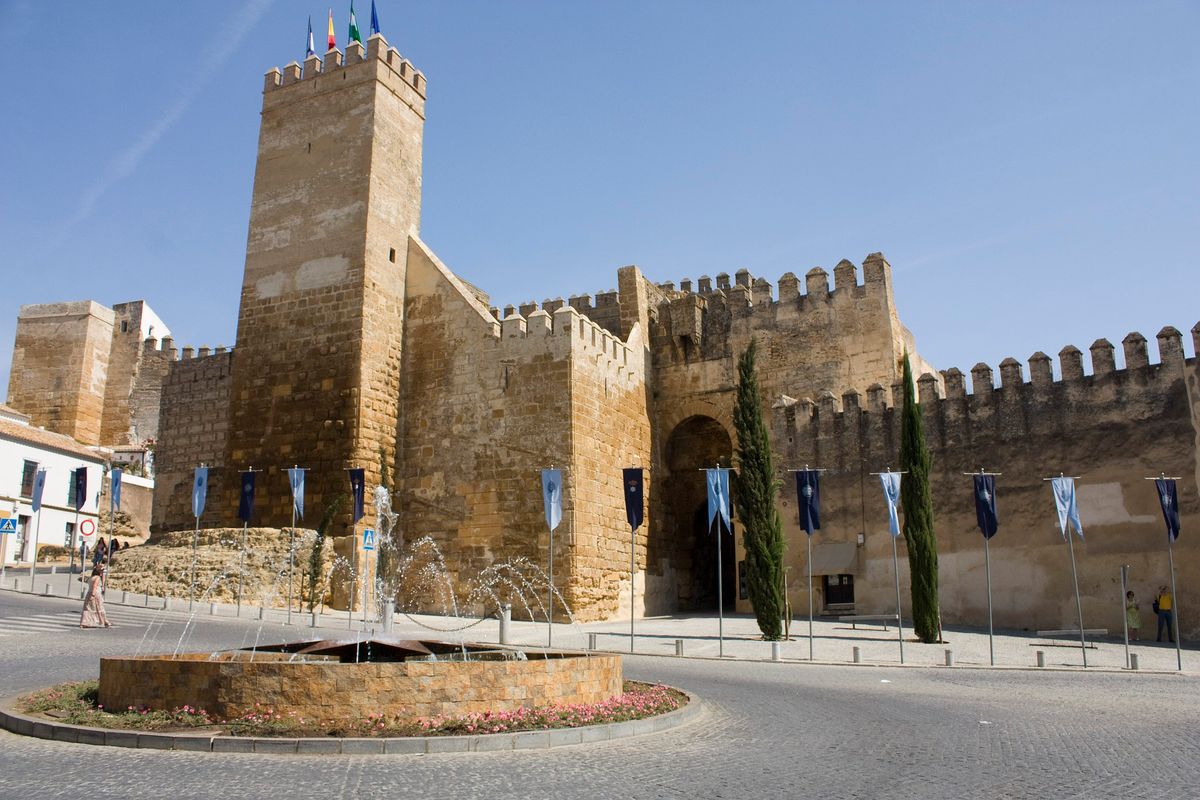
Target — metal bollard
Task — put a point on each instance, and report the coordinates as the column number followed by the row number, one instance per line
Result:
column 1133, row 660
column 591, row 641
column 775, row 651
column 857, row 655
column 679, row 647
column 316, row 619
column 1041, row 658
column 949, row 657
column 147, row 597
column 53, row 569
column 261, row 612
column 506, row 625
column 212, row 609
column 46, row 589
column 124, row 595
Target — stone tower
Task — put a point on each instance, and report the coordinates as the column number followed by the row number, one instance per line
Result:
column 337, row 192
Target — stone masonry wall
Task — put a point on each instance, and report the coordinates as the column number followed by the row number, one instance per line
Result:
column 60, row 367
column 194, row 430
column 334, row 691
column 336, row 192
column 1111, row 428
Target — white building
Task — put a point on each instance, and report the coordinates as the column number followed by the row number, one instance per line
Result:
column 24, row 449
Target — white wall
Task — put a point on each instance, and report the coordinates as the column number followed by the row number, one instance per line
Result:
column 56, row 511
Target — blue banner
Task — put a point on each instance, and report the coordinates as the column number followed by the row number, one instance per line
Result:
column 717, row 479
column 1066, row 505
column 1168, row 498
column 39, row 486
column 985, row 505
column 358, row 482
column 80, row 478
column 552, row 496
column 634, row 494
column 246, row 499
column 891, row 494
column 114, row 489
column 199, row 491
column 808, row 497
column 296, row 479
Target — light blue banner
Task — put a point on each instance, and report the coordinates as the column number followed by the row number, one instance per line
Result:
column 296, row 479
column 552, row 496
column 717, row 479
column 39, row 485
column 1066, row 505
column 199, row 491
column 114, row 488
column 891, row 494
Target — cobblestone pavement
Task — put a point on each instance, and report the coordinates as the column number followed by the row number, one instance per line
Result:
column 770, row 730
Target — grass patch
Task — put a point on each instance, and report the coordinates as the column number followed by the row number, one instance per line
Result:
column 77, row 704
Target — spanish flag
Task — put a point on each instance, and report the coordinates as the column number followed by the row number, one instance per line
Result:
column 332, row 38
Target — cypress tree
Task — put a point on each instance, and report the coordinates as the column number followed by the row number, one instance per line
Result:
column 316, row 555
column 754, row 498
column 917, row 502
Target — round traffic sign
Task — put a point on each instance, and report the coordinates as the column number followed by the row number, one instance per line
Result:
column 87, row 528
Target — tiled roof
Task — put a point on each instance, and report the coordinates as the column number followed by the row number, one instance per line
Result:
column 9, row 411
column 38, row 437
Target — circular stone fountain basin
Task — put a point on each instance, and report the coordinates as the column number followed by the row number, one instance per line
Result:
column 350, row 679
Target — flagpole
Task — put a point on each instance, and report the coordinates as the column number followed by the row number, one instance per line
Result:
column 896, row 575
column 111, row 509
column 808, row 539
column 1075, row 579
column 550, row 595
column 632, row 568
column 291, row 549
column 37, row 532
column 1171, row 562
column 1125, row 609
column 987, row 568
column 242, row 555
column 720, row 575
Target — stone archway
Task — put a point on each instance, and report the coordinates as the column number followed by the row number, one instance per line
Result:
column 684, row 547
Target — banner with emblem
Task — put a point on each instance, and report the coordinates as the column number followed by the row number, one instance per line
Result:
column 296, row 480
column 552, row 496
column 114, row 488
column 80, row 478
column 39, row 486
column 1066, row 505
column 808, row 496
column 634, row 494
column 891, row 495
column 717, row 479
column 246, row 499
column 985, row 505
column 1168, row 498
column 199, row 491
column 358, row 482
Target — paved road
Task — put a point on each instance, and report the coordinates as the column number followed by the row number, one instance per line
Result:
column 771, row 730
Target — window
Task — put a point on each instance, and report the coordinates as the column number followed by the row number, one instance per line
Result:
column 392, row 255
column 71, row 489
column 124, row 326
column 27, row 476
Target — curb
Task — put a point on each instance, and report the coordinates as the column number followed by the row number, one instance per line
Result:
column 23, row 725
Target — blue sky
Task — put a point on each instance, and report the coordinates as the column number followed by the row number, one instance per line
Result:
column 1029, row 169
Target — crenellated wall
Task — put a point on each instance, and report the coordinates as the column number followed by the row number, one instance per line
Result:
column 1112, row 428
column 193, row 430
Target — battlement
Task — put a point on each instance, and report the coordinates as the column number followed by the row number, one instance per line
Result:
column 400, row 69
column 816, row 286
column 165, row 349
column 1137, row 374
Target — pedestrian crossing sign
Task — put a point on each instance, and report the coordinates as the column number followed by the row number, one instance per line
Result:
column 368, row 538
column 8, row 525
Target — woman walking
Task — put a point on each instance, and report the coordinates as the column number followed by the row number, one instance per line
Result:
column 93, row 604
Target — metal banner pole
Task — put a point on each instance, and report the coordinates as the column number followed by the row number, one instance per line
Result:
column 353, row 587
column 71, row 568
column 291, row 559
column 1078, row 603
column 550, row 597
column 720, row 595
column 987, row 568
column 241, row 568
column 632, row 568
column 192, row 587
column 810, row 600
column 37, row 530
column 1174, row 607
column 899, row 618
column 1125, row 609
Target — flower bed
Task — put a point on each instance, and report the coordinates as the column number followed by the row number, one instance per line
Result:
column 76, row 704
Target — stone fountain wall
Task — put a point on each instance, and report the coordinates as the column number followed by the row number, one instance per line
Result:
column 336, row 691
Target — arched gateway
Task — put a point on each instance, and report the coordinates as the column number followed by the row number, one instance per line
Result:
column 686, row 549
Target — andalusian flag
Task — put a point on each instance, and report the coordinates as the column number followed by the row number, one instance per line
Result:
column 332, row 38
column 355, row 36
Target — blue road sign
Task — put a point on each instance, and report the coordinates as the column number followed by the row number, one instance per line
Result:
column 368, row 538
column 8, row 525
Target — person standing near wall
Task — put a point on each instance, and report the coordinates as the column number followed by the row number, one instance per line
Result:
column 1163, row 604
column 1133, row 614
